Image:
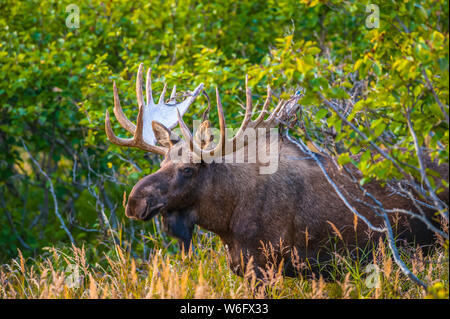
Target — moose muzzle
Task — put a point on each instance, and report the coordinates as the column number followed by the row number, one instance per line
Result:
column 143, row 208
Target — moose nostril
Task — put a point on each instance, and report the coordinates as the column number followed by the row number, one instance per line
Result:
column 151, row 201
column 143, row 213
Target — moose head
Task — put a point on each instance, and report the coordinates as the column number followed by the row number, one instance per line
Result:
column 187, row 171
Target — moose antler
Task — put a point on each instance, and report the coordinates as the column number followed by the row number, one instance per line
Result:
column 162, row 112
column 226, row 146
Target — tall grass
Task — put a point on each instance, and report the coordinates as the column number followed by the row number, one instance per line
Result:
column 75, row 272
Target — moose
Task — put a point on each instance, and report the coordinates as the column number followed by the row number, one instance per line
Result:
column 294, row 207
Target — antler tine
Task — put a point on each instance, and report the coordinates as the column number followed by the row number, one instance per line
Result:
column 197, row 91
column 163, row 94
column 203, row 135
column 148, row 87
column 223, row 133
column 185, row 131
column 273, row 115
column 249, row 106
column 248, row 100
column 111, row 136
column 139, row 96
column 248, row 112
column 174, row 92
column 138, row 135
column 136, row 141
column 260, row 117
column 118, row 112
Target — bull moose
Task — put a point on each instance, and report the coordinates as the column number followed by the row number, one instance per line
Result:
column 293, row 207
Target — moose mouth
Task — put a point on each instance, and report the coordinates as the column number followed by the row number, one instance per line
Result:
column 152, row 211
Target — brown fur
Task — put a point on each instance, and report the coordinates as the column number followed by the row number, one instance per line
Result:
column 248, row 210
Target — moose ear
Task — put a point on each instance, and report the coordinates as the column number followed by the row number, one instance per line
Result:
column 203, row 136
column 163, row 135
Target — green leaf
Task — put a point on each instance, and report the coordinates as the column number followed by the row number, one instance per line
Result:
column 344, row 158
column 321, row 114
column 339, row 93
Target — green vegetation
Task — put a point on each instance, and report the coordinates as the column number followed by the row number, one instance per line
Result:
column 56, row 83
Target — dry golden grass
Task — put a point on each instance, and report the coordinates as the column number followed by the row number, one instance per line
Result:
column 205, row 274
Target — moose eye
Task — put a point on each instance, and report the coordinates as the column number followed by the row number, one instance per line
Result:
column 187, row 172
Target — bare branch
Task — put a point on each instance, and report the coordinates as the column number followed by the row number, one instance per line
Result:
column 364, row 136
column 330, row 181
column 52, row 191
column 397, row 258
column 443, row 211
column 378, row 209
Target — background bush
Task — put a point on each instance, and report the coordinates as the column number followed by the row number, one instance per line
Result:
column 56, row 83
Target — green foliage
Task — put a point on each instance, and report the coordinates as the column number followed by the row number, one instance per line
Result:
column 56, row 83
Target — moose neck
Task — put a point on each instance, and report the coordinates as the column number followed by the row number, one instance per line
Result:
column 224, row 190
column 228, row 186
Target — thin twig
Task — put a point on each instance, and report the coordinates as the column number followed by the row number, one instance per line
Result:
column 442, row 210
column 436, row 97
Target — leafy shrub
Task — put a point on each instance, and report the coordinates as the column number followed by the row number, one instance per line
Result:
column 56, row 83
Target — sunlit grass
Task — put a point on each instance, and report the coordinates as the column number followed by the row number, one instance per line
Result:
column 204, row 273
